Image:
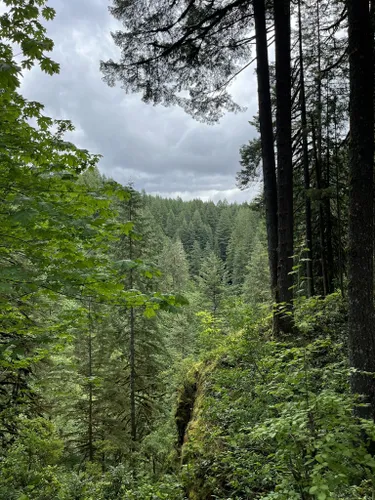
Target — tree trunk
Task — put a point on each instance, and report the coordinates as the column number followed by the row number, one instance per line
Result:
column 267, row 139
column 305, row 158
column 361, row 205
column 284, row 157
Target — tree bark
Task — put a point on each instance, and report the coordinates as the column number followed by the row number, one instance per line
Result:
column 361, row 205
column 267, row 139
column 284, row 157
column 305, row 159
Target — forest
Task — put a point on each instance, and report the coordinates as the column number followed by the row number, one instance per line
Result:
column 154, row 348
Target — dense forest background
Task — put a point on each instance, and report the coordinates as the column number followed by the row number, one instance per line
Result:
column 156, row 348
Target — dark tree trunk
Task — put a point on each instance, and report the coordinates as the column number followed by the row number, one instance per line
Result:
column 267, row 139
column 361, row 205
column 372, row 16
column 305, row 158
column 284, row 156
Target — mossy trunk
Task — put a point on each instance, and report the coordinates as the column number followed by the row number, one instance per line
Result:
column 185, row 410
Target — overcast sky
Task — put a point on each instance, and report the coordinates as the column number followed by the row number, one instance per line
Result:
column 161, row 150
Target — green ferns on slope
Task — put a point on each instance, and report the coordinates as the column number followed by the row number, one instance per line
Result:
column 273, row 420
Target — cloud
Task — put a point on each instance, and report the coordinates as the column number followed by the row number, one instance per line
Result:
column 162, row 150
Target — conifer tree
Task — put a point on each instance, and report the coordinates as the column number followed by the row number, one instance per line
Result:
column 196, row 259
column 212, row 281
column 174, row 267
column 223, row 233
column 255, row 287
column 241, row 244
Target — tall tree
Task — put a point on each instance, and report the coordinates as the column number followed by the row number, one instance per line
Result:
column 284, row 153
column 305, row 160
column 361, row 209
column 267, row 139
column 212, row 281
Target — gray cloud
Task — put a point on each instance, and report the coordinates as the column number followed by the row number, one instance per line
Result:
column 162, row 150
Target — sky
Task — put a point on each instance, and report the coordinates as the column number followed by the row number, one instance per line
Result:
column 161, row 150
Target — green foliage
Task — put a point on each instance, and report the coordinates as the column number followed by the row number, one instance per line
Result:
column 28, row 469
column 212, row 281
column 275, row 420
column 21, row 26
column 89, row 348
column 118, row 484
column 251, row 157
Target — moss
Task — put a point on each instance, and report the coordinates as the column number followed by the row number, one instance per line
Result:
column 185, row 410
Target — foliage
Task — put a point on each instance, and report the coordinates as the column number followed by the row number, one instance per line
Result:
column 29, row 468
column 274, row 420
column 104, row 394
column 21, row 25
column 179, row 47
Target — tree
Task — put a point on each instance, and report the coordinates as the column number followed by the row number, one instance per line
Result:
column 174, row 266
column 22, row 25
column 241, row 244
column 223, row 233
column 196, row 259
column 212, row 281
column 305, row 160
column 177, row 45
column 361, row 208
column 267, row 140
column 171, row 225
column 255, row 289
column 284, row 154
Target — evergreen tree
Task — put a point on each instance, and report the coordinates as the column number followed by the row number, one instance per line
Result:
column 255, row 287
column 267, row 141
column 223, row 233
column 196, row 259
column 212, row 281
column 241, row 244
column 186, row 236
column 171, row 225
column 174, row 266
column 284, row 154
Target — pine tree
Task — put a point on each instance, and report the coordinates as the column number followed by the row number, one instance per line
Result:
column 255, row 287
column 223, row 233
column 171, row 225
column 174, row 267
column 241, row 244
column 212, row 281
column 196, row 259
